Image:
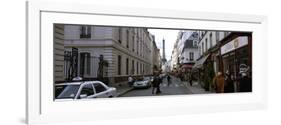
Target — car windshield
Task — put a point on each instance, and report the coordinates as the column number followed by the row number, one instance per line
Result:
column 69, row 92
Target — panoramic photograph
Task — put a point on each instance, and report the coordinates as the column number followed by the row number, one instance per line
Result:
column 93, row 61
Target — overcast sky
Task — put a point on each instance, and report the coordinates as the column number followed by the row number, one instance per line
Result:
column 170, row 37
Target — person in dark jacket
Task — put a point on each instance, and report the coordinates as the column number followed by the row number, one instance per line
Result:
column 218, row 82
column 190, row 78
column 245, row 83
column 169, row 80
column 156, row 84
column 229, row 83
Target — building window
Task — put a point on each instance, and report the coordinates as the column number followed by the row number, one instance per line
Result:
column 133, row 67
column 141, row 68
column 137, row 67
column 119, row 65
column 225, row 34
column 203, row 48
column 127, row 33
column 141, row 47
column 137, row 47
column 200, row 51
column 85, row 64
column 120, row 35
column 133, row 40
column 194, row 43
column 85, row 32
column 211, row 38
column 191, row 56
column 127, row 66
column 217, row 36
column 206, row 45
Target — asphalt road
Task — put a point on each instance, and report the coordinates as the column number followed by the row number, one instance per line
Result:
column 175, row 88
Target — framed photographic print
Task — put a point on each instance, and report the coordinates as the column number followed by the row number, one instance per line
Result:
column 93, row 62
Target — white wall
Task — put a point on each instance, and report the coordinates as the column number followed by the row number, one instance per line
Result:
column 72, row 32
column 186, row 55
column 12, row 63
column 97, row 32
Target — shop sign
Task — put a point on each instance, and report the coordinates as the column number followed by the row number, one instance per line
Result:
column 234, row 44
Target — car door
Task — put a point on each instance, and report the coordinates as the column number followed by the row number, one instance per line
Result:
column 101, row 91
column 87, row 91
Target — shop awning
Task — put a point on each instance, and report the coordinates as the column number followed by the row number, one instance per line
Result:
column 199, row 63
column 189, row 66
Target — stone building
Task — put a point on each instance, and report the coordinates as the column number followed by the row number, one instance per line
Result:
column 209, row 43
column 107, row 53
column 155, row 56
column 185, row 51
column 59, row 53
column 190, row 52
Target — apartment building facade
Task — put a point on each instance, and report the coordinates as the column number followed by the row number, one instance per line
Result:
column 113, row 53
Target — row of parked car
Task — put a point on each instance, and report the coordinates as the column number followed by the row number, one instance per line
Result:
column 83, row 90
column 79, row 89
column 144, row 82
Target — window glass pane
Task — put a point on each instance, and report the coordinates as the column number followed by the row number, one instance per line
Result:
column 99, row 87
column 119, row 65
column 69, row 91
column 85, row 32
column 87, row 90
column 88, row 65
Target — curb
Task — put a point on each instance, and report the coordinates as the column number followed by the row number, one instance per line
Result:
column 124, row 92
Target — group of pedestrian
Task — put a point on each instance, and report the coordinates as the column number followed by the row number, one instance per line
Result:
column 226, row 83
column 156, row 84
column 157, row 80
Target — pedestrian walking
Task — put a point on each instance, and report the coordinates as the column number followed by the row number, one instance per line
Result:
column 245, row 83
column 229, row 83
column 218, row 82
column 156, row 84
column 190, row 78
column 169, row 80
column 130, row 81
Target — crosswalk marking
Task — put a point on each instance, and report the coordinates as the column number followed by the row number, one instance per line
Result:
column 171, row 85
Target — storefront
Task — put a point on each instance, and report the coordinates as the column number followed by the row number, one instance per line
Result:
column 236, row 56
column 201, row 69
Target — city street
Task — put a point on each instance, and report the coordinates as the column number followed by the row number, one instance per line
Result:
column 214, row 58
column 175, row 88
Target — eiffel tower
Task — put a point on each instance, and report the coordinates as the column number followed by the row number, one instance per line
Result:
column 164, row 60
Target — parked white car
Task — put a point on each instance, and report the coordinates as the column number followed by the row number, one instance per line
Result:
column 143, row 83
column 84, row 90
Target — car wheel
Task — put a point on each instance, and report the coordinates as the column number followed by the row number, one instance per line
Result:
column 110, row 96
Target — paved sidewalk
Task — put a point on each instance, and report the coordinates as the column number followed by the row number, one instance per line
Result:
column 122, row 88
column 195, row 88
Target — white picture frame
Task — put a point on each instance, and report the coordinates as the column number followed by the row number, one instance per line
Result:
column 41, row 15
